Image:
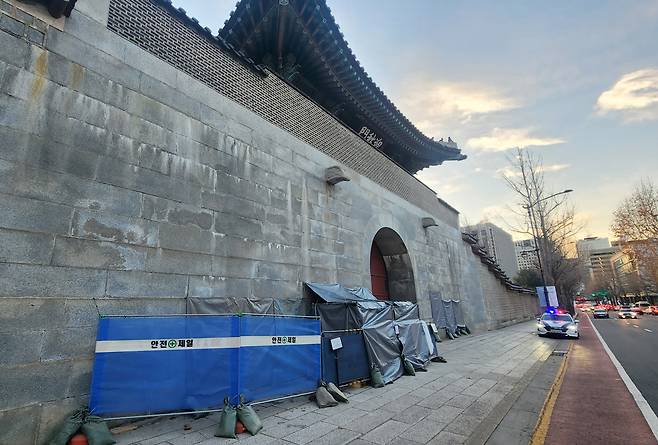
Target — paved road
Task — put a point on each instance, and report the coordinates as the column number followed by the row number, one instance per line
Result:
column 635, row 344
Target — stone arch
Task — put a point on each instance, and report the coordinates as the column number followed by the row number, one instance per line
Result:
column 398, row 269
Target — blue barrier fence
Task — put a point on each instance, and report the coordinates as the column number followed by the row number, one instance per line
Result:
column 150, row 365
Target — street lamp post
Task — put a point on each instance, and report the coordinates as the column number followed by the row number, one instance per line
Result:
column 533, row 224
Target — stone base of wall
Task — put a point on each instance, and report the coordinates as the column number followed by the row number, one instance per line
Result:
column 127, row 186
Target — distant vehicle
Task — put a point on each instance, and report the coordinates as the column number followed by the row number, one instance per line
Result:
column 654, row 310
column 638, row 310
column 616, row 307
column 553, row 324
column 601, row 313
column 626, row 312
column 644, row 306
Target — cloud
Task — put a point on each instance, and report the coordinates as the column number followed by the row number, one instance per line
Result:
column 502, row 139
column 443, row 184
column 502, row 215
column 429, row 103
column 512, row 173
column 634, row 96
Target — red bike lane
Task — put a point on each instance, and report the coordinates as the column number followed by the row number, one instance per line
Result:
column 593, row 405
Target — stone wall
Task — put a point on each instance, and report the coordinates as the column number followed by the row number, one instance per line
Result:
column 127, row 186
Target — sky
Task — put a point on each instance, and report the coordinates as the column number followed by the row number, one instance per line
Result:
column 575, row 83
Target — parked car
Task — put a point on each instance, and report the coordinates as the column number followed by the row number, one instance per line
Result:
column 601, row 313
column 626, row 312
column 561, row 325
column 654, row 310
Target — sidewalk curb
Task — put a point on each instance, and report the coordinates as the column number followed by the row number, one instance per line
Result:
column 541, row 428
column 647, row 412
column 489, row 424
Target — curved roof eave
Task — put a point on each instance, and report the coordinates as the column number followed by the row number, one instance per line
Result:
column 434, row 152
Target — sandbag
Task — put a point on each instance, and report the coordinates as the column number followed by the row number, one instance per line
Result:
column 408, row 367
column 227, row 421
column 336, row 393
column 323, row 398
column 97, row 431
column 376, row 378
column 249, row 418
column 69, row 427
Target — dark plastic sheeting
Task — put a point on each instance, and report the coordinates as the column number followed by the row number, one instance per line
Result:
column 335, row 293
column 150, row 365
column 338, row 317
column 378, row 321
column 243, row 305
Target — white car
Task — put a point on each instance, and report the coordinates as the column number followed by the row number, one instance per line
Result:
column 562, row 325
column 626, row 312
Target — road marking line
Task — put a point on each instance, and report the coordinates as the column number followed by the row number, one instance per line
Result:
column 635, row 326
column 648, row 330
column 544, row 421
column 641, row 402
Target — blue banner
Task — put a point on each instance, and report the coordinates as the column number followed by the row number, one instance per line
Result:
column 278, row 356
column 148, row 365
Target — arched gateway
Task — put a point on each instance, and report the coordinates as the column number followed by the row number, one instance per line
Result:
column 391, row 272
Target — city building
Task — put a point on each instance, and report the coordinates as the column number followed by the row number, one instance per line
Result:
column 584, row 246
column 498, row 244
column 526, row 254
column 149, row 163
column 635, row 267
column 594, row 254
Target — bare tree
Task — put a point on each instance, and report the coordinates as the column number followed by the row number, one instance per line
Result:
column 549, row 219
column 635, row 223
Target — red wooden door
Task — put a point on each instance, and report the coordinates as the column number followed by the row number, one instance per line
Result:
column 378, row 276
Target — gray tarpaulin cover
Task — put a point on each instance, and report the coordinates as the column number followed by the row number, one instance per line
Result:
column 457, row 309
column 405, row 309
column 235, row 305
column 438, row 313
column 449, row 309
column 417, row 344
column 446, row 313
column 377, row 319
column 383, row 347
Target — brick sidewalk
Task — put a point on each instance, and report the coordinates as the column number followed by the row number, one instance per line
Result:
column 593, row 405
column 442, row 406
